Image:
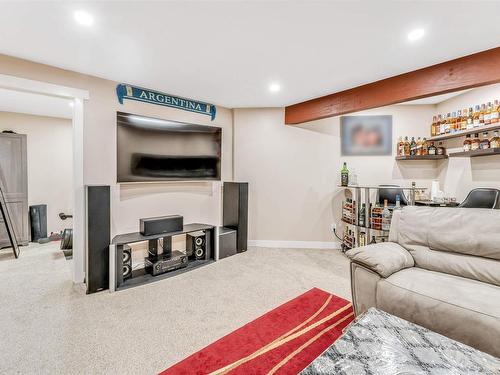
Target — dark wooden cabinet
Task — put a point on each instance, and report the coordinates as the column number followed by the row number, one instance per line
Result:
column 14, row 184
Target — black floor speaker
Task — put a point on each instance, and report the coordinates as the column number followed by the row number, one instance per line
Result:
column 98, row 222
column 38, row 221
column 235, row 211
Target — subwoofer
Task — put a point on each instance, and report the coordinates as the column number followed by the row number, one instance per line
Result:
column 127, row 262
column 196, row 245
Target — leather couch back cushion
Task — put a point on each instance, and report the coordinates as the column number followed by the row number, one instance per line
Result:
column 472, row 267
column 457, row 241
column 471, row 231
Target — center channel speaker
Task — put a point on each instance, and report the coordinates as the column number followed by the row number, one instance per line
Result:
column 162, row 224
column 196, row 245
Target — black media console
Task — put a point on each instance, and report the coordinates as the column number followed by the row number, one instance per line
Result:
column 141, row 276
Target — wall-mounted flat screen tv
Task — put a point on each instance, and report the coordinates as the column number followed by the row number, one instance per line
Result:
column 155, row 150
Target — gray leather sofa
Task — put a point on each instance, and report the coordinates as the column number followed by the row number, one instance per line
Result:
column 440, row 269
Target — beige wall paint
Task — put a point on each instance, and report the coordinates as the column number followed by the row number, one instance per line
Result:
column 294, row 171
column 465, row 174
column 50, row 163
column 198, row 202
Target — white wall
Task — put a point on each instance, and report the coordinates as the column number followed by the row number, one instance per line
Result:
column 294, row 171
column 465, row 174
column 50, row 163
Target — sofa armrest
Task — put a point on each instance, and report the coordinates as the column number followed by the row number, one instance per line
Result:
column 384, row 258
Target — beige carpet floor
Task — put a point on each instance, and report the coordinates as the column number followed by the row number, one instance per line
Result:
column 50, row 326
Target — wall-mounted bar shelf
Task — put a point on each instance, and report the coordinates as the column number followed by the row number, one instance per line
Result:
column 422, row 157
column 461, row 133
column 475, row 153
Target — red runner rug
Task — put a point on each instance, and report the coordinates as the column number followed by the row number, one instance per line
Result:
column 283, row 341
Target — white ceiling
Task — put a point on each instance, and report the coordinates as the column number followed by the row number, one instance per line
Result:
column 34, row 104
column 228, row 52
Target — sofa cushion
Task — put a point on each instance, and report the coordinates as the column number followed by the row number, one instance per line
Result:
column 472, row 231
column 476, row 268
column 463, row 309
column 384, row 258
column 465, row 293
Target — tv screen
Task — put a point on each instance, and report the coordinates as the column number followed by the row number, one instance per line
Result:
column 150, row 149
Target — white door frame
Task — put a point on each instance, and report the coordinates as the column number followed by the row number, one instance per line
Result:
column 78, row 96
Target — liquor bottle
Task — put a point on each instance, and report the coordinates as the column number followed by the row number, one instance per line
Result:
column 362, row 216
column 495, row 112
column 475, row 116
column 495, row 141
column 400, row 149
column 362, row 239
column 470, row 119
column 413, row 147
column 447, row 125
column 386, row 217
column 485, row 142
column 398, row 202
column 424, row 146
column 406, row 147
column 440, row 125
column 453, row 123
column 467, row 143
column 344, row 175
column 433, row 126
column 440, row 149
column 487, row 114
column 474, row 145
column 481, row 114
column 463, row 120
column 373, row 241
column 419, row 147
column 431, row 150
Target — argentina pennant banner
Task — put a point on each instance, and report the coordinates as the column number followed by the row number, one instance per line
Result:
column 154, row 97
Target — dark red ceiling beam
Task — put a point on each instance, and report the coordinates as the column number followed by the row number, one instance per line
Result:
column 466, row 72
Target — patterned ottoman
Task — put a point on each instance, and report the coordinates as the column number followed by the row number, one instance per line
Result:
column 380, row 343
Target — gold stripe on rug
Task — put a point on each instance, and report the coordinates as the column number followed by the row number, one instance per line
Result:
column 319, row 311
column 309, row 342
column 277, row 343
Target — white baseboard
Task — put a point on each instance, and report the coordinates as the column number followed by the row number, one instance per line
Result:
column 295, row 244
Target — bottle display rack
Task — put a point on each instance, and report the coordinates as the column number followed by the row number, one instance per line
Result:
column 461, row 133
column 422, row 157
column 354, row 233
column 475, row 153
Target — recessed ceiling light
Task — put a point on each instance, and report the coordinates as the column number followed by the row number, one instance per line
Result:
column 415, row 34
column 71, row 104
column 274, row 87
column 83, row 18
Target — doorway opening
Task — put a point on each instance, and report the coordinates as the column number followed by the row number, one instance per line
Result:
column 41, row 171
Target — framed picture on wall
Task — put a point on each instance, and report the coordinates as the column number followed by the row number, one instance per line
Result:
column 366, row 135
